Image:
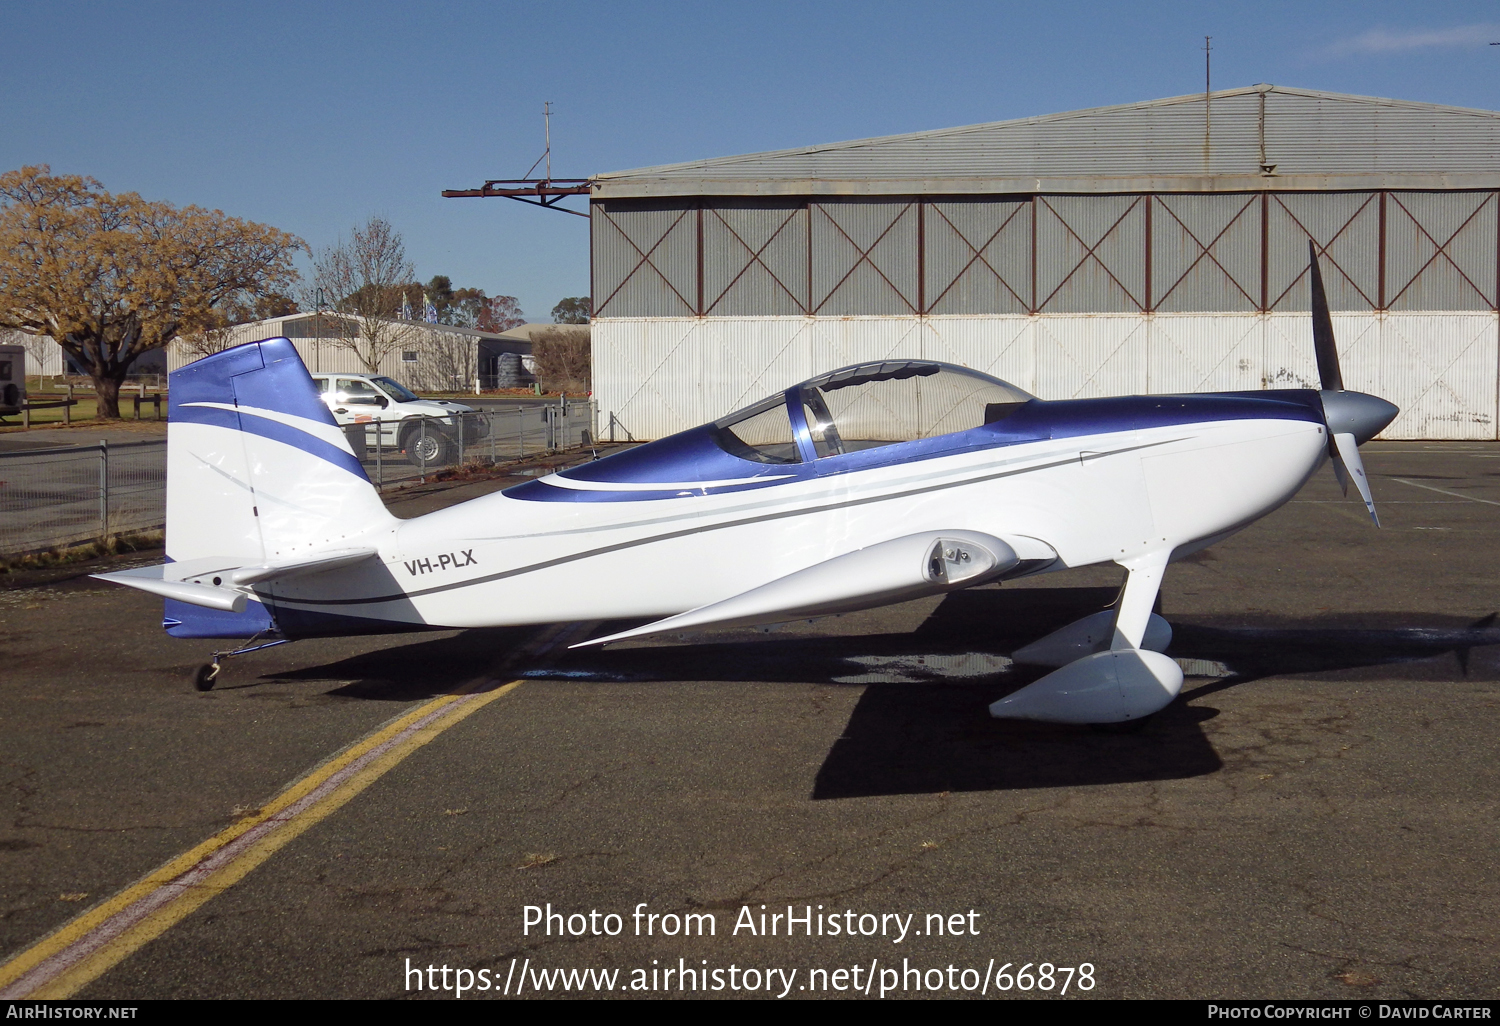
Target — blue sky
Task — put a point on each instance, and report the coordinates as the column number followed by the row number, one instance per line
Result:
column 314, row 116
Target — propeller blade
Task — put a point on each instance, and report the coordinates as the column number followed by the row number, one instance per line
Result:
column 1340, row 472
column 1329, row 376
column 1349, row 454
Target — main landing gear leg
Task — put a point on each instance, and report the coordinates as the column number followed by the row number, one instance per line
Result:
column 1133, row 612
column 1121, row 684
column 207, row 675
column 1097, row 632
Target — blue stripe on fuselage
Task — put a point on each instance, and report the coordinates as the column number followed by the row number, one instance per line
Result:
column 693, row 456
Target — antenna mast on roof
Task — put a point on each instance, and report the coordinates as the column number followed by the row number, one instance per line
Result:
column 539, row 192
column 1207, row 99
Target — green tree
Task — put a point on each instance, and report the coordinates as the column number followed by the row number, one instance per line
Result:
column 575, row 310
column 111, row 277
column 439, row 291
column 464, row 308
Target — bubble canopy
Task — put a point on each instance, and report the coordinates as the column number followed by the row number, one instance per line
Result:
column 866, row 406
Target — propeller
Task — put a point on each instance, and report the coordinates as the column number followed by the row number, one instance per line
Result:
column 1353, row 418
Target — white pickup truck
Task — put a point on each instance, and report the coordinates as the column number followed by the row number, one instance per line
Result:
column 426, row 430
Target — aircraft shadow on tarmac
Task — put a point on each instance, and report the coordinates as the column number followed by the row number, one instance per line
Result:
column 418, row 670
column 921, row 724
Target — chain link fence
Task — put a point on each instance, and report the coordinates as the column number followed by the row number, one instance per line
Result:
column 51, row 498
column 412, row 448
column 55, row 497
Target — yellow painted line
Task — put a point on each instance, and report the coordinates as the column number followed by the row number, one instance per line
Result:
column 60, row 964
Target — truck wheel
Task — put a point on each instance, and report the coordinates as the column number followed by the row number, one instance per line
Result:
column 430, row 450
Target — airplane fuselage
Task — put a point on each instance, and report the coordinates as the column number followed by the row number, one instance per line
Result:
column 680, row 523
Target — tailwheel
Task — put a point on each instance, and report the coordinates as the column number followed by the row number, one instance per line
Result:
column 207, row 674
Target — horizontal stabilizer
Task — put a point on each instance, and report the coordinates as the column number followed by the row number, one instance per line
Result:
column 229, row 597
column 249, row 575
column 892, row 571
column 149, row 578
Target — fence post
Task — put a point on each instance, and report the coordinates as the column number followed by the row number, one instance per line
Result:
column 68, row 409
column 462, row 425
column 489, row 420
column 103, row 488
column 521, row 433
column 379, row 466
column 422, row 450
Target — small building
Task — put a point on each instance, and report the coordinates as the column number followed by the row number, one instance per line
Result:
column 423, row 357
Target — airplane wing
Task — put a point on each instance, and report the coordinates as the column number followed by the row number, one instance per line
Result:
column 891, row 571
column 229, row 593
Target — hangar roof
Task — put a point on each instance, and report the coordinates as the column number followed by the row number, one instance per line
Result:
column 1260, row 137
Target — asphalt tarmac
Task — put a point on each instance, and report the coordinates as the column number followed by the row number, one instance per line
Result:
column 1315, row 817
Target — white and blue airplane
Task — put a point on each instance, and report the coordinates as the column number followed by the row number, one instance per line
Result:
column 868, row 485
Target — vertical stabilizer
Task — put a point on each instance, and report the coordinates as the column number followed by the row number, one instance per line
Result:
column 257, row 469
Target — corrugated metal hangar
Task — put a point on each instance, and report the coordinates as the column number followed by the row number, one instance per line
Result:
column 1153, row 247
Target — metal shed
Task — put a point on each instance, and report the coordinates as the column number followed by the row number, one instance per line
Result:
column 1150, row 247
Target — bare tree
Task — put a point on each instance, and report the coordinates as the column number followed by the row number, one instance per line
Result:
column 562, row 358
column 38, row 347
column 367, row 277
column 449, row 361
